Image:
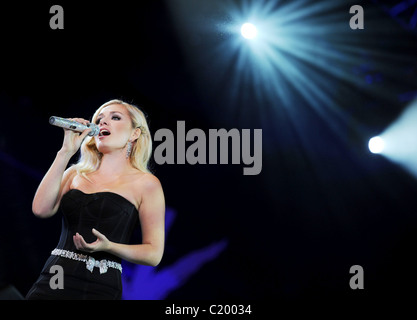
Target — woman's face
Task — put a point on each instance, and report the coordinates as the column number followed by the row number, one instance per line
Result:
column 115, row 128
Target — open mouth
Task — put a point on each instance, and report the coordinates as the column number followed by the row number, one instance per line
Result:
column 104, row 132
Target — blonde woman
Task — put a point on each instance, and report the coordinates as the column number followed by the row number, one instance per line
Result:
column 101, row 198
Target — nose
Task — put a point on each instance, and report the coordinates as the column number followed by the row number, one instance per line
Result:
column 103, row 121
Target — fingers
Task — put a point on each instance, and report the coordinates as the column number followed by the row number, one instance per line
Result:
column 80, row 243
column 84, row 134
column 73, row 139
column 97, row 234
column 80, row 120
column 84, row 122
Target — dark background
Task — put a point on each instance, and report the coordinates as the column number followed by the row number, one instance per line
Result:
column 322, row 202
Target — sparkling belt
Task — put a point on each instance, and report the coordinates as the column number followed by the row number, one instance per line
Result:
column 90, row 262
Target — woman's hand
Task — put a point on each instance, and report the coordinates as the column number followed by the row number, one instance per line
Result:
column 101, row 244
column 73, row 139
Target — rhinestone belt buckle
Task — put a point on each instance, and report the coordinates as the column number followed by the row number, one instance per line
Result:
column 103, row 266
column 91, row 263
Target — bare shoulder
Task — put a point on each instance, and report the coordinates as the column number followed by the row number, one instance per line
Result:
column 148, row 182
column 149, row 191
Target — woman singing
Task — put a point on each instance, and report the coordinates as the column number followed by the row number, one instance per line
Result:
column 101, row 199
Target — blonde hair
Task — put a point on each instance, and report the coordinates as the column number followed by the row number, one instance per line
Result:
column 90, row 158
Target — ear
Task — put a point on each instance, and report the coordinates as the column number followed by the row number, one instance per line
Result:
column 135, row 135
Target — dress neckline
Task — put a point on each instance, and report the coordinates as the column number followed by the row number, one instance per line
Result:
column 110, row 192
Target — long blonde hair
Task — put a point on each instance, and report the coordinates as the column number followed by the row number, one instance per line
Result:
column 90, row 158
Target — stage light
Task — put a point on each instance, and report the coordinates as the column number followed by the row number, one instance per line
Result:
column 400, row 140
column 284, row 58
column 376, row 144
column 248, row 30
column 289, row 53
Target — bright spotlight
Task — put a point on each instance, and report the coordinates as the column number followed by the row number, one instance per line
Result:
column 376, row 145
column 248, row 31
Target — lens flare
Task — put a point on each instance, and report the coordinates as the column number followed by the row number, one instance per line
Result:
column 248, row 30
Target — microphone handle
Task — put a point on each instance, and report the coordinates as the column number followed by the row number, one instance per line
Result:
column 74, row 125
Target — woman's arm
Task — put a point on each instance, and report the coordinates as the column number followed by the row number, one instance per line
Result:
column 46, row 201
column 152, row 220
column 57, row 180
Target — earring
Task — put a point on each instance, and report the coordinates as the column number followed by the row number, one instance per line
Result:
column 129, row 149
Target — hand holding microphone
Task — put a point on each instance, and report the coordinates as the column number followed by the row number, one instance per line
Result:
column 72, row 140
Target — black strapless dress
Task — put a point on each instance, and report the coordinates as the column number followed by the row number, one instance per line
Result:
column 107, row 212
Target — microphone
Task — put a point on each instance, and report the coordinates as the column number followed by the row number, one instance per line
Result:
column 74, row 125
